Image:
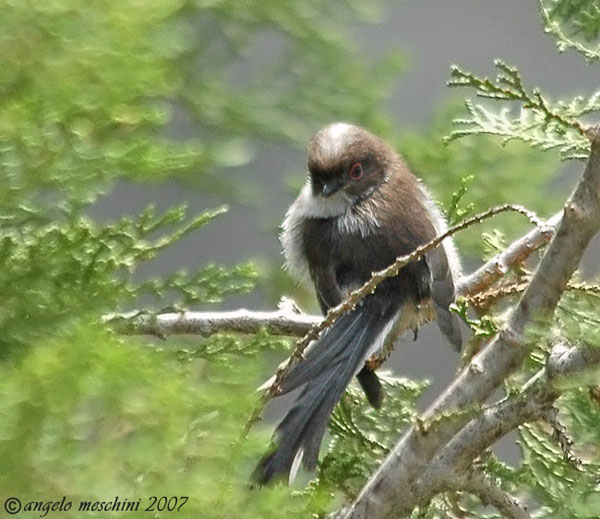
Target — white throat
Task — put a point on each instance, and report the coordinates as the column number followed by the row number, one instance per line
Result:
column 349, row 219
column 308, row 205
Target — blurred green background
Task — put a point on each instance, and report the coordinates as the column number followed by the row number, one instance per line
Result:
column 113, row 115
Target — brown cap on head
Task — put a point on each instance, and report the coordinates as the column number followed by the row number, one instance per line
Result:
column 345, row 157
column 339, row 145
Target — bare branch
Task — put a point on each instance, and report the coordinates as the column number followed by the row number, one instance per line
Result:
column 393, row 489
column 480, row 433
column 490, row 494
column 495, row 421
column 286, row 320
column 516, row 253
column 566, row 361
column 292, row 322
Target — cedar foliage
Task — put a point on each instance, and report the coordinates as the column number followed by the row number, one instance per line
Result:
column 86, row 95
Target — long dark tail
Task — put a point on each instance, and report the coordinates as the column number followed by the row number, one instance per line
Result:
column 329, row 366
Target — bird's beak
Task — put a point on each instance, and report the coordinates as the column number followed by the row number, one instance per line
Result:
column 330, row 188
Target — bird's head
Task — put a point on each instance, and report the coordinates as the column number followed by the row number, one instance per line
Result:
column 347, row 163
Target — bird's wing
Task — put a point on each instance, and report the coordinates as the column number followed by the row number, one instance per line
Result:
column 443, row 295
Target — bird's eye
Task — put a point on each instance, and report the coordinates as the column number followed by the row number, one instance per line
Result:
column 356, row 171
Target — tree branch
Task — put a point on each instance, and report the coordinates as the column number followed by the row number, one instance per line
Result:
column 394, row 488
column 489, row 494
column 532, row 403
column 515, row 254
column 290, row 321
column 286, row 320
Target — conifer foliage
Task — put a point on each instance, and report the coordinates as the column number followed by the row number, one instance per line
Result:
column 90, row 411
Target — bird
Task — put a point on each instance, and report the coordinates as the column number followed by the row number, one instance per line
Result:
column 359, row 210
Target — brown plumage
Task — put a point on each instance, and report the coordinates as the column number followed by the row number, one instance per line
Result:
column 360, row 209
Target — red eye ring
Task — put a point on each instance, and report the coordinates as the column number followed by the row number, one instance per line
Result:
column 356, row 171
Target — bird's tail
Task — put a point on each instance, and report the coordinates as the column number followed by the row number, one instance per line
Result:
column 327, row 369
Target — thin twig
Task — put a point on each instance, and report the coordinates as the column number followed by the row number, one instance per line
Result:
column 561, row 435
column 290, row 321
column 369, row 287
column 486, row 298
column 483, row 300
column 515, row 254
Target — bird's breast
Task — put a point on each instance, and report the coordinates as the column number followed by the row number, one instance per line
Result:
column 358, row 221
